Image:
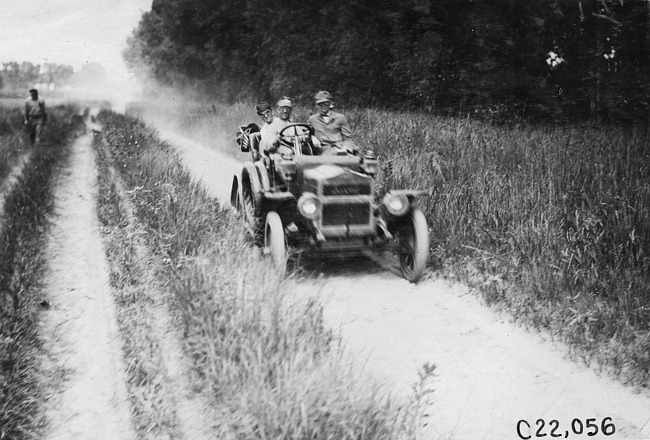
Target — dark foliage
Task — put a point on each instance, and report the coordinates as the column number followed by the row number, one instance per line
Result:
column 483, row 56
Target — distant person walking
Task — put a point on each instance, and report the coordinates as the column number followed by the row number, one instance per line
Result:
column 35, row 117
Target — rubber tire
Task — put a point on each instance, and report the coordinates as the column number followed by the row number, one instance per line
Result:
column 251, row 212
column 275, row 240
column 413, row 246
column 235, row 194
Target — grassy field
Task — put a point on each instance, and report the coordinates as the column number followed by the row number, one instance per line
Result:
column 13, row 140
column 551, row 222
column 22, row 235
column 267, row 363
column 555, row 220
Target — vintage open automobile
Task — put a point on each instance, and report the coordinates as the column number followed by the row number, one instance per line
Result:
column 297, row 199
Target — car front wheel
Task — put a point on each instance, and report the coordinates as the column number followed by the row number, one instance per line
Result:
column 413, row 245
column 275, row 241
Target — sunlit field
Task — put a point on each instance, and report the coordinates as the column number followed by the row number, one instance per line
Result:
column 551, row 221
column 556, row 218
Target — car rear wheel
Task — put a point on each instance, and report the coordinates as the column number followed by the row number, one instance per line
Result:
column 250, row 212
column 413, row 245
column 275, row 242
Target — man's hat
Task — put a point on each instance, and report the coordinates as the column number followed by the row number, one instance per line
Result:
column 323, row 96
column 33, row 91
column 285, row 101
column 261, row 107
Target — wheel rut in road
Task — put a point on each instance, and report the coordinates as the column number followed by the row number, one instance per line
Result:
column 82, row 367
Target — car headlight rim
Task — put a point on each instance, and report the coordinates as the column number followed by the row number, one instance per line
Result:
column 309, row 206
column 396, row 204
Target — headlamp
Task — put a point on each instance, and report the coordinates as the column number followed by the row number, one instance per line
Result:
column 309, row 205
column 396, row 204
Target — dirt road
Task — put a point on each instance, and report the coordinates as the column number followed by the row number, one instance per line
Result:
column 83, row 365
column 492, row 377
column 83, row 370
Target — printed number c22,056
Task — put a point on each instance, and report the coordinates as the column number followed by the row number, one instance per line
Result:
column 578, row 427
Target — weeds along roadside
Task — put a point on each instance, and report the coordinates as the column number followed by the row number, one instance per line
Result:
column 23, row 231
column 13, row 142
column 269, row 366
column 551, row 222
column 137, row 293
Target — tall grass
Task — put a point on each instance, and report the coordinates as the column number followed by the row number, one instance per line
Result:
column 557, row 217
column 139, row 297
column 551, row 221
column 267, row 362
column 12, row 139
column 22, row 239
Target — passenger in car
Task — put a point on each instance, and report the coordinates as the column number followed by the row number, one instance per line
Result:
column 269, row 142
column 331, row 128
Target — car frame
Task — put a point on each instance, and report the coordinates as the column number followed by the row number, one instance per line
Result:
column 296, row 198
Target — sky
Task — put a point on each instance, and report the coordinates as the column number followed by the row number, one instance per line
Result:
column 71, row 32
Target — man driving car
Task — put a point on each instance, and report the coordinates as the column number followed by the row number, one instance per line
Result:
column 269, row 141
column 284, row 108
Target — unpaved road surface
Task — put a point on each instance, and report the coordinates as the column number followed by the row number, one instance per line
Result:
column 490, row 374
column 83, row 365
column 82, row 370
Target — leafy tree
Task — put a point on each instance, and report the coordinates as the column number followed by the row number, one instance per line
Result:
column 19, row 76
column 56, row 75
column 444, row 55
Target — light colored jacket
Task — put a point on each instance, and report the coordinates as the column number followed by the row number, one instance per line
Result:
column 269, row 133
column 333, row 130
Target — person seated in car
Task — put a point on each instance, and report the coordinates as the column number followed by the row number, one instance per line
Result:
column 284, row 108
column 331, row 128
column 269, row 139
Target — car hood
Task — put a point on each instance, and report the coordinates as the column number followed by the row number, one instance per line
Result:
column 336, row 180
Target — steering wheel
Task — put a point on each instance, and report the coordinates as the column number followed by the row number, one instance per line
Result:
column 295, row 130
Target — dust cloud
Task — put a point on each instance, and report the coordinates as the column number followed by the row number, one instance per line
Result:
column 95, row 85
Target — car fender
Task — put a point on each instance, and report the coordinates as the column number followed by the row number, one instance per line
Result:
column 264, row 175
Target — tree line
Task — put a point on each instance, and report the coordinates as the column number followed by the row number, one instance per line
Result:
column 538, row 58
column 15, row 76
